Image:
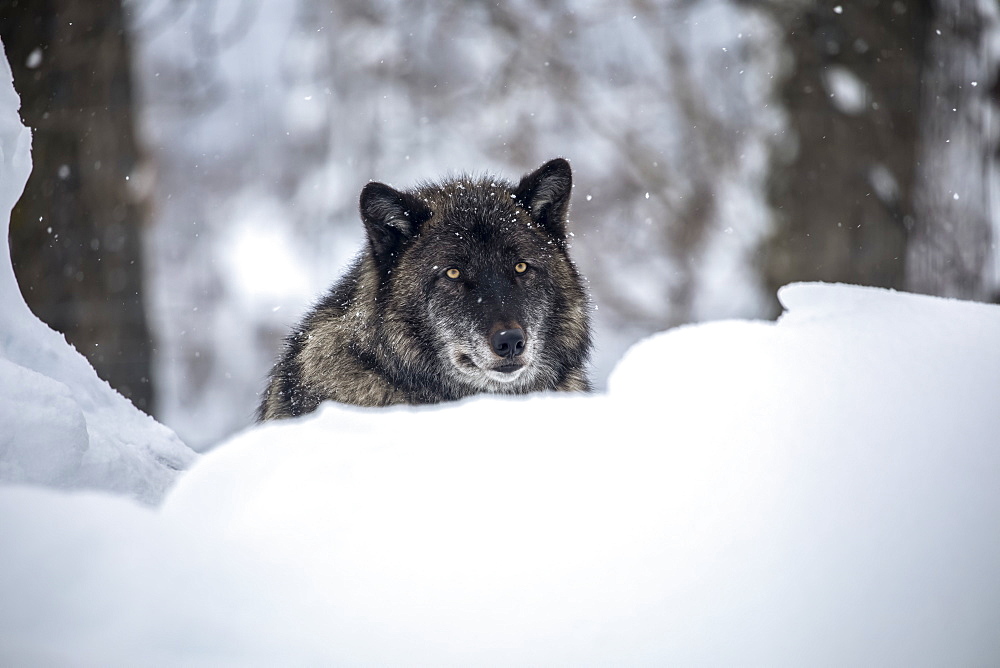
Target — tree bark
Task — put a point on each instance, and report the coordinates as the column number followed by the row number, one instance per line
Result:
column 953, row 251
column 844, row 191
column 75, row 234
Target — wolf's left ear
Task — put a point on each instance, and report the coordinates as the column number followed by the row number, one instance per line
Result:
column 391, row 219
column 545, row 194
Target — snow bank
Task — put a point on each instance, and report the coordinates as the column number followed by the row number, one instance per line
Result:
column 824, row 490
column 62, row 425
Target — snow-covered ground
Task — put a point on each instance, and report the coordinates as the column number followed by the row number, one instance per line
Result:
column 820, row 491
column 823, row 490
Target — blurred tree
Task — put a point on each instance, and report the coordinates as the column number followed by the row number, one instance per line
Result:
column 894, row 169
column 75, row 234
column 952, row 250
column 843, row 190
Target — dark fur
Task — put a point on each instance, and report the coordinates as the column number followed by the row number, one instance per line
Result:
column 397, row 330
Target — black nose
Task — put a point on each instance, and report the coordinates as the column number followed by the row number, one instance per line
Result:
column 508, row 342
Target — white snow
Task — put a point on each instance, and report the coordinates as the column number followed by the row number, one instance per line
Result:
column 61, row 424
column 34, row 58
column 847, row 92
column 823, row 490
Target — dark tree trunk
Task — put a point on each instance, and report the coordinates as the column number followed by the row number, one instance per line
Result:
column 75, row 234
column 952, row 250
column 844, row 192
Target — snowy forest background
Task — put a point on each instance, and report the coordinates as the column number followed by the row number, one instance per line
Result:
column 197, row 163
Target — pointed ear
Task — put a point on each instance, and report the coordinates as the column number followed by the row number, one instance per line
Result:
column 391, row 219
column 545, row 194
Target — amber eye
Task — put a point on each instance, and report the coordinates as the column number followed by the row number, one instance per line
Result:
column 521, row 267
column 453, row 273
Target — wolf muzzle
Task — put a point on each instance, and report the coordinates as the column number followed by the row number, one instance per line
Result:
column 508, row 341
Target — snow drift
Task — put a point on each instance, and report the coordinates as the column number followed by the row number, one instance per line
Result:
column 818, row 491
column 62, row 425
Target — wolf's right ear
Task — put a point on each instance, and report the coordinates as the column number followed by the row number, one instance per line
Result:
column 391, row 219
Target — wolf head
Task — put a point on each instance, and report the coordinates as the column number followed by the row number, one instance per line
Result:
column 476, row 271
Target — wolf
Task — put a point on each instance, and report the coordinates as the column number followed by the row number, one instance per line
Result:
column 463, row 287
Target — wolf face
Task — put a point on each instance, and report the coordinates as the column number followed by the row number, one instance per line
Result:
column 464, row 287
column 479, row 266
